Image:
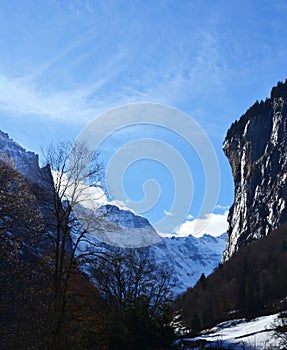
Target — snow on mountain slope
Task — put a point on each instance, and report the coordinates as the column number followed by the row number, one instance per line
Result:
column 113, row 226
column 124, row 218
column 124, row 229
column 190, row 257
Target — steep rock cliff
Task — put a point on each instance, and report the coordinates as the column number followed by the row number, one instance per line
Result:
column 256, row 147
column 40, row 185
column 26, row 162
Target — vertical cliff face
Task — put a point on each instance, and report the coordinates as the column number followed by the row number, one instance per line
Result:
column 256, row 147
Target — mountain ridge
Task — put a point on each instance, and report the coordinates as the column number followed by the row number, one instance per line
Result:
column 188, row 256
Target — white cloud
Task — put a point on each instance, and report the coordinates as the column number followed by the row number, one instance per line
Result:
column 122, row 205
column 168, row 213
column 189, row 217
column 212, row 224
column 90, row 197
column 225, row 207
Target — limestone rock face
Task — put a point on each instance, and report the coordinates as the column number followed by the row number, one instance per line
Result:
column 256, row 147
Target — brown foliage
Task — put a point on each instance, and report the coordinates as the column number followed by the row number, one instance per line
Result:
column 21, row 224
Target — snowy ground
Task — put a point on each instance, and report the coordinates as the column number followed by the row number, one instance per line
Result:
column 239, row 334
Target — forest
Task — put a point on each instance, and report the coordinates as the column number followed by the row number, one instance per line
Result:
column 252, row 283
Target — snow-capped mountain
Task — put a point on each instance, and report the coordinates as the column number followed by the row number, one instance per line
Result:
column 123, row 228
column 124, row 218
column 189, row 257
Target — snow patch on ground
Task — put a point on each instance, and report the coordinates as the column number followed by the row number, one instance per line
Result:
column 240, row 334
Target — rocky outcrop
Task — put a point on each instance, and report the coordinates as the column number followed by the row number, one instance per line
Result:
column 40, row 184
column 122, row 228
column 123, row 218
column 256, row 147
column 26, row 162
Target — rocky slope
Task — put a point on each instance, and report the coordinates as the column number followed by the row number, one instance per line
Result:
column 123, row 228
column 256, row 147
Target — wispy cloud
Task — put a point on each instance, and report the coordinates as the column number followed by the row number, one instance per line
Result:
column 125, row 76
column 18, row 97
column 23, row 96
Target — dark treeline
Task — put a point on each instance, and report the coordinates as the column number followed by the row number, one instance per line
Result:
column 262, row 109
column 252, row 283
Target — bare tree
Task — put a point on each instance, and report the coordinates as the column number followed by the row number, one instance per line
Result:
column 136, row 289
column 138, row 292
column 76, row 174
column 128, row 276
column 280, row 329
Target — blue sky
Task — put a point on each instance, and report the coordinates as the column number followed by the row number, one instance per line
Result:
column 62, row 63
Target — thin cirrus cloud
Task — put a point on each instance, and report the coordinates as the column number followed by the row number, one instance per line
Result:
column 21, row 98
column 107, row 55
column 168, row 213
column 91, row 75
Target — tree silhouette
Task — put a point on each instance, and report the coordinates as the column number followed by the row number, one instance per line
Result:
column 73, row 173
column 139, row 299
